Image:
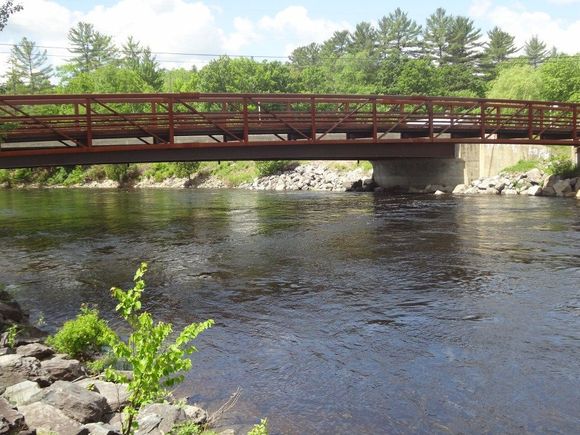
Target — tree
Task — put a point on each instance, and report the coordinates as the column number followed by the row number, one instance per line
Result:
column 436, row 35
column 535, row 51
column 517, row 82
column 92, row 49
column 13, row 77
column 364, row 38
column 399, row 33
column 463, row 39
column 307, row 55
column 499, row 47
column 30, row 65
column 561, row 78
column 337, row 45
column 143, row 62
column 6, row 9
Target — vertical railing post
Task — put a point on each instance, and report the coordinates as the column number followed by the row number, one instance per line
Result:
column 482, row 120
column 431, row 126
column 530, row 121
column 246, row 126
column 89, row 123
column 171, row 120
column 313, row 117
column 375, row 126
column 575, row 123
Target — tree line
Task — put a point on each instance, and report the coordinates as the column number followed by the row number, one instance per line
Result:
column 447, row 55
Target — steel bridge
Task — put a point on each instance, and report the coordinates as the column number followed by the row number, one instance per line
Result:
column 45, row 130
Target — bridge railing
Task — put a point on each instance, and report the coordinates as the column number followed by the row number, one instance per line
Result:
column 80, row 121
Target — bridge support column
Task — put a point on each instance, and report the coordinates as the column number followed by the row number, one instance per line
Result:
column 418, row 172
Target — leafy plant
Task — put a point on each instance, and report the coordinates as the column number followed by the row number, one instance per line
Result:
column 11, row 334
column 156, row 363
column 260, row 428
column 271, row 167
column 189, row 428
column 82, row 337
column 565, row 168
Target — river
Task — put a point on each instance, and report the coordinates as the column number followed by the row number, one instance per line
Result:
column 335, row 313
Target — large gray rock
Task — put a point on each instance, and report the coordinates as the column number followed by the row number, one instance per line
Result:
column 117, row 395
column 534, row 175
column 548, row 191
column 195, row 414
column 11, row 421
column 62, row 369
column 36, row 350
column 550, row 181
column 22, row 393
column 16, row 368
column 562, row 187
column 101, row 429
column 159, row 418
column 48, row 419
column 74, row 401
column 534, row 191
column 460, row 189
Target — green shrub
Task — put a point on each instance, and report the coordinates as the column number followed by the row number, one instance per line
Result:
column 562, row 167
column 82, row 337
column 76, row 176
column 156, row 362
column 122, row 173
column 271, row 167
column 5, row 176
column 260, row 428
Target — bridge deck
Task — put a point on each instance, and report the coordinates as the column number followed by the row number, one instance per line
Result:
column 67, row 129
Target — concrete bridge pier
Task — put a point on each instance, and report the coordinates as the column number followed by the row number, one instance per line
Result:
column 445, row 170
column 418, row 172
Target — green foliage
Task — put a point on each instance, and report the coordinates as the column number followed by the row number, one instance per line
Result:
column 82, row 337
column 560, row 78
column 121, row 172
column 517, row 82
column 11, row 333
column 271, row 167
column 562, row 167
column 29, row 63
column 156, row 362
column 231, row 173
column 189, row 428
column 260, row 428
column 162, row 171
column 522, row 166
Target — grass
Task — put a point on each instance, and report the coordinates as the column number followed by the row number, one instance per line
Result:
column 523, row 166
column 231, row 173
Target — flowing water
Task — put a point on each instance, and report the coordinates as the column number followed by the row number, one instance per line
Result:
column 335, row 313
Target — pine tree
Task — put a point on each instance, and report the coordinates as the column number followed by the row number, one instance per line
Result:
column 92, row 49
column 398, row 33
column 338, row 44
column 536, row 51
column 364, row 38
column 13, row 77
column 464, row 42
column 29, row 64
column 132, row 52
column 499, row 47
column 436, row 35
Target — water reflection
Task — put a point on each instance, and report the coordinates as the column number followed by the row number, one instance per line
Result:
column 335, row 312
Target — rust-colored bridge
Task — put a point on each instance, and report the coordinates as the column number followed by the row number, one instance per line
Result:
column 43, row 130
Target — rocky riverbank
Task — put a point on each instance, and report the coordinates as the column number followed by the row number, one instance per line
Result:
column 531, row 183
column 46, row 393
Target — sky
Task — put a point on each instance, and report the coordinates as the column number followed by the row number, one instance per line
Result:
column 200, row 30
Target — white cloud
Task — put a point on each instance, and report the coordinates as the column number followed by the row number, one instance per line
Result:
column 478, row 8
column 180, row 26
column 296, row 25
column 524, row 23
